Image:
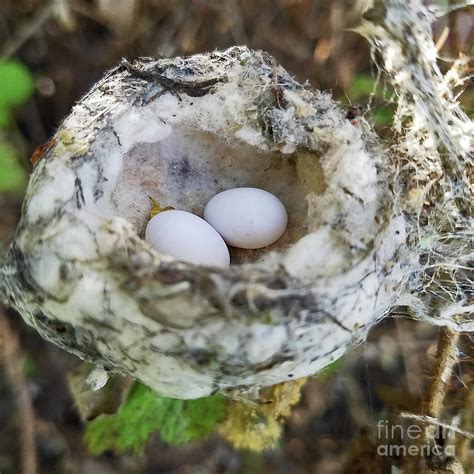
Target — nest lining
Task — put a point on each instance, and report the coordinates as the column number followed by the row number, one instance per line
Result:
column 182, row 150
column 188, row 167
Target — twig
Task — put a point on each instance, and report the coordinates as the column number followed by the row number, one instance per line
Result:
column 442, row 39
column 434, row 421
column 446, row 357
column 28, row 30
column 12, row 361
column 467, row 424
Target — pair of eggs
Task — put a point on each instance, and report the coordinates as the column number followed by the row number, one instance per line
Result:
column 247, row 218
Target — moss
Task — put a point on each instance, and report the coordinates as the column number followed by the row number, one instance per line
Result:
column 246, row 427
column 258, row 426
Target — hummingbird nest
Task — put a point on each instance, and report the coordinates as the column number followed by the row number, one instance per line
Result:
column 373, row 226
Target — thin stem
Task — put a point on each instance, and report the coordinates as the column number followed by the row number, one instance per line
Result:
column 434, row 421
column 12, row 361
column 446, row 358
column 28, row 30
column 467, row 424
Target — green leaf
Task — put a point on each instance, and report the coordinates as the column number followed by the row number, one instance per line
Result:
column 145, row 412
column 383, row 115
column 365, row 85
column 362, row 86
column 16, row 83
column 12, row 175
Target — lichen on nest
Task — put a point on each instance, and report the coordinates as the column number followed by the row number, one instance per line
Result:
column 432, row 148
column 179, row 130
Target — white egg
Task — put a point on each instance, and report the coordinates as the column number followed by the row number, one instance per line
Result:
column 247, row 218
column 187, row 237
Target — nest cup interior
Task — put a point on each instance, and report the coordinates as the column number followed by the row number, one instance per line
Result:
column 188, row 167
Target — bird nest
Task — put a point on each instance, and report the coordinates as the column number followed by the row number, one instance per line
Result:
column 181, row 130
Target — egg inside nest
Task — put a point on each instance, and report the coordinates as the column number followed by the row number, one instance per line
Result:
column 188, row 167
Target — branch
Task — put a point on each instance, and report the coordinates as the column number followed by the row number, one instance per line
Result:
column 467, row 424
column 12, row 361
column 29, row 29
column 446, row 357
column 433, row 421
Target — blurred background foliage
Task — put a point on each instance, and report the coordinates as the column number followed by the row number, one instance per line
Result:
column 51, row 52
column 16, row 87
